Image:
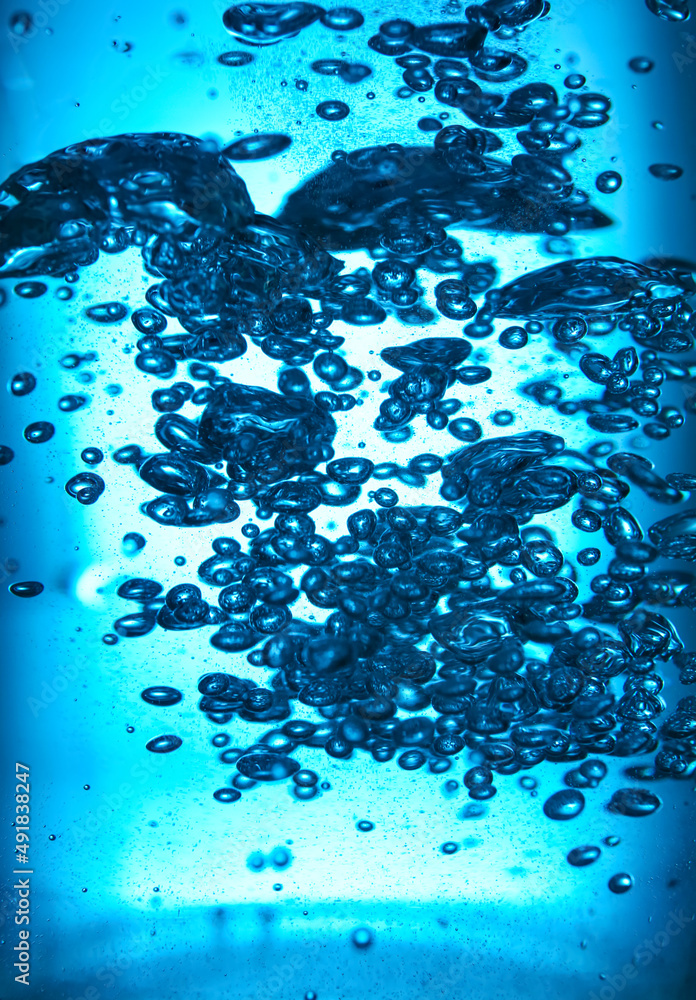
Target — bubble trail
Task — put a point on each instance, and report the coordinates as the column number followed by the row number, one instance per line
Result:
column 452, row 616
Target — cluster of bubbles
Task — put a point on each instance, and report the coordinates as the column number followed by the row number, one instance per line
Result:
column 279, row 859
column 449, row 627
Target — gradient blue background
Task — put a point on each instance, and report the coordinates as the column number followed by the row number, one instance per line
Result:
column 171, row 908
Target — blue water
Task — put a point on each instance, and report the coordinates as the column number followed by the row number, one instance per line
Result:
column 348, row 534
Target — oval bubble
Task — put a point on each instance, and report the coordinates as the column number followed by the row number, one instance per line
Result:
column 564, row 805
column 634, row 802
column 27, row 588
column 332, row 111
column 267, row 766
column 39, row 432
column 235, row 58
column 161, row 695
column 580, row 857
column 665, row 171
column 342, row 19
column 164, row 744
column 620, row 883
column 257, row 147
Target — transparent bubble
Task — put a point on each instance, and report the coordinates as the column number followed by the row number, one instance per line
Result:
column 634, row 802
column 235, row 58
column 362, row 937
column 22, row 384
column 161, row 695
column 513, row 338
column 92, row 456
column 30, row 289
column 580, row 857
column 342, row 19
column 164, row 744
column 226, row 795
column 665, row 171
column 564, row 805
column 332, row 111
column 39, row 432
column 620, row 883
column 608, row 181
column 669, row 10
column 21, row 23
column 107, row 312
column 641, row 64
column 28, row 588
column 85, row 487
column 261, row 146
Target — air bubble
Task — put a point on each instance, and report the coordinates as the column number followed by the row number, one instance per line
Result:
column 608, row 181
column 620, row 883
column 21, row 23
column 580, row 857
column 342, row 19
column 161, row 695
column 634, row 802
column 674, row 11
column 28, row 588
column 332, row 111
column 22, row 384
column 261, row 146
column 235, row 58
column 30, row 289
column 164, row 744
column 362, row 937
column 85, row 487
column 107, row 312
column 665, row 171
column 564, row 805
column 39, row 432
column 227, row 795
column 641, row 64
